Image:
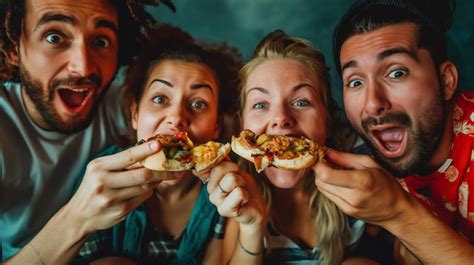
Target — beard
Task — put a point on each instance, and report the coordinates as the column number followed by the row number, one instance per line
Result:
column 426, row 134
column 43, row 101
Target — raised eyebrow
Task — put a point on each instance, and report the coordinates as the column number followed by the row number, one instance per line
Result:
column 261, row 89
column 102, row 23
column 350, row 64
column 202, row 86
column 387, row 53
column 300, row 86
column 50, row 17
column 166, row 83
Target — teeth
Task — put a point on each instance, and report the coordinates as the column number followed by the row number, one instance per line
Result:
column 78, row 90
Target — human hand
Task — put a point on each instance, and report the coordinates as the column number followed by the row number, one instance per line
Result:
column 235, row 194
column 112, row 187
column 362, row 189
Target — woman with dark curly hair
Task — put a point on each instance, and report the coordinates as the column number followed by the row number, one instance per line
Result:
column 175, row 85
column 57, row 59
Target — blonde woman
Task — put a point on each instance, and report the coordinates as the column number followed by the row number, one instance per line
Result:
column 285, row 90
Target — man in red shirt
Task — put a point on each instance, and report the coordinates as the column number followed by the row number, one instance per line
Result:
column 400, row 96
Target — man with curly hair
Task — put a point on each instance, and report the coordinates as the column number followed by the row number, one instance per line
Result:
column 58, row 57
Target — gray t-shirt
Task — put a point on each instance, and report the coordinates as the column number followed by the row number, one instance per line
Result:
column 38, row 168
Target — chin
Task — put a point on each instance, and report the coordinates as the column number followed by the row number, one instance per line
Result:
column 284, row 179
column 178, row 177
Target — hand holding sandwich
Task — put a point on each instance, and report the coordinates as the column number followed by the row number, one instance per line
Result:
column 112, row 187
column 362, row 189
column 237, row 197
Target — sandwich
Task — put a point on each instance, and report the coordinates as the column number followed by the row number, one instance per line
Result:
column 281, row 151
column 178, row 153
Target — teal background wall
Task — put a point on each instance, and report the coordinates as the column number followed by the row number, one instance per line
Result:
column 243, row 23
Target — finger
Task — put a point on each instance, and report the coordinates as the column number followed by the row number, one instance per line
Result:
column 343, row 193
column 129, row 156
column 159, row 176
column 230, row 207
column 202, row 175
column 340, row 177
column 343, row 205
column 119, row 211
column 130, row 192
column 216, row 196
column 350, row 161
column 129, row 178
column 230, row 181
column 219, row 171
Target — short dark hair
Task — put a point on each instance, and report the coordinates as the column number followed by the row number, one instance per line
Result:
column 166, row 42
column 133, row 22
column 432, row 17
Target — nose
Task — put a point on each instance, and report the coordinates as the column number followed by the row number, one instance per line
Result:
column 376, row 102
column 282, row 118
column 177, row 118
column 81, row 61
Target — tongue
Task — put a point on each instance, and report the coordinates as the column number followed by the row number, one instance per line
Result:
column 391, row 146
column 71, row 98
column 392, row 138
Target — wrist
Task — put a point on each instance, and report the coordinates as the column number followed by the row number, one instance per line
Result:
column 254, row 229
column 408, row 213
column 73, row 226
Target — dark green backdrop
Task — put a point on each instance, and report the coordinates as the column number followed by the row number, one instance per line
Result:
column 242, row 23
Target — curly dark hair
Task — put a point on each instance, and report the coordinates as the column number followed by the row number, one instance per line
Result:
column 166, row 42
column 133, row 23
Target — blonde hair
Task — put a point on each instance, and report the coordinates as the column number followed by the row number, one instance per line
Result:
column 331, row 224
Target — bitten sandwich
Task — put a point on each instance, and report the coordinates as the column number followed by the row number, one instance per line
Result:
column 178, row 153
column 281, row 151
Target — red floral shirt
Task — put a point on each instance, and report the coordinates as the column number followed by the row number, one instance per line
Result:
column 449, row 192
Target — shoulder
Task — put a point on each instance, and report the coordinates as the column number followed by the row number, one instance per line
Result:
column 9, row 91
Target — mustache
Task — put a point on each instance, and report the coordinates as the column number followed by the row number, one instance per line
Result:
column 400, row 117
column 77, row 81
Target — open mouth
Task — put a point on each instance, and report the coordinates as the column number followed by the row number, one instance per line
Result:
column 74, row 98
column 391, row 141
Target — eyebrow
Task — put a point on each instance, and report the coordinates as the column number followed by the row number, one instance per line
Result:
column 382, row 56
column 193, row 87
column 261, row 89
column 300, row 86
column 201, row 86
column 50, row 17
column 56, row 17
column 161, row 81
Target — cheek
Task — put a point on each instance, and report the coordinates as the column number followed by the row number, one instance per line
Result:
column 255, row 122
column 204, row 128
column 108, row 67
column 351, row 109
column 147, row 123
column 315, row 127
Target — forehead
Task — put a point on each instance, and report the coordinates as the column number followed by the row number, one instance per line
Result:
column 401, row 36
column 79, row 9
column 182, row 71
column 280, row 71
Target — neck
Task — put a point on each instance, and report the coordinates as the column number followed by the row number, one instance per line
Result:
column 32, row 111
column 178, row 191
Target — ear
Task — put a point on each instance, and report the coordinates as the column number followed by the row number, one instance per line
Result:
column 12, row 58
column 449, row 79
column 134, row 114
